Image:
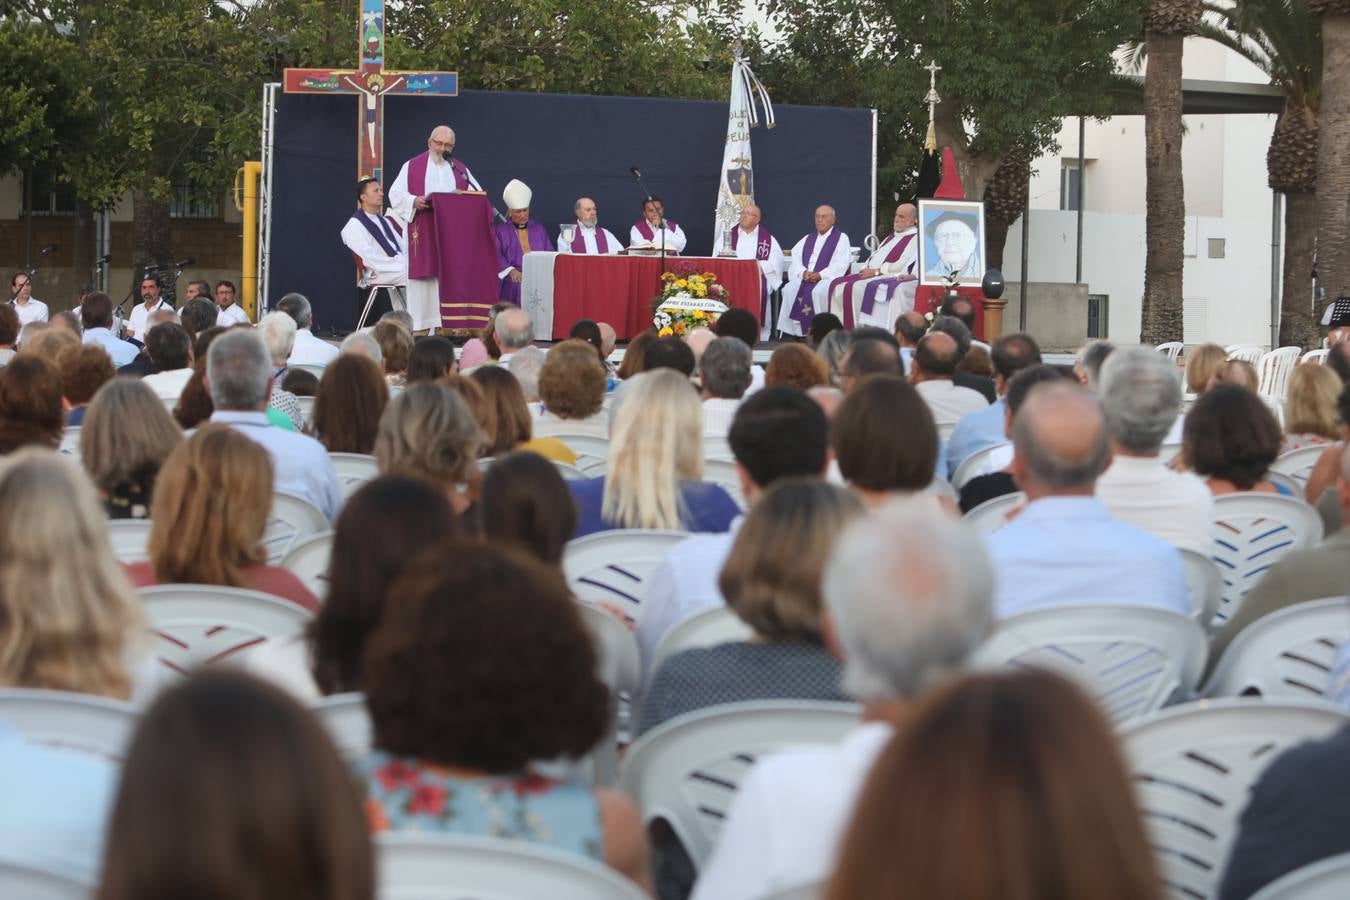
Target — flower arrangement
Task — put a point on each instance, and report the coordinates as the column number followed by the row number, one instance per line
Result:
column 689, row 299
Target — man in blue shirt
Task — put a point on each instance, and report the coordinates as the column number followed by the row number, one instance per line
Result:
column 983, row 428
column 1064, row 547
column 96, row 317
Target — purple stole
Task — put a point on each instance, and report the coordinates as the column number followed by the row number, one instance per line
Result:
column 646, row 230
column 422, row 239
column 763, row 246
column 601, row 242
column 417, row 174
column 803, row 308
column 875, row 283
column 386, row 236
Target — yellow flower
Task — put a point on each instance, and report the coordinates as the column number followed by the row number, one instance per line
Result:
column 668, row 276
column 700, row 314
column 680, row 328
column 700, row 291
column 709, row 276
column 665, row 332
column 681, row 283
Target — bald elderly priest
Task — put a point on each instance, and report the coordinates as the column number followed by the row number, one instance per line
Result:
column 751, row 240
column 515, row 237
column 817, row 260
column 588, row 236
column 886, row 285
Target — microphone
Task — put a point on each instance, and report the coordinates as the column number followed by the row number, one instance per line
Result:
column 634, row 171
column 184, row 263
column 447, row 155
column 50, row 248
column 104, row 259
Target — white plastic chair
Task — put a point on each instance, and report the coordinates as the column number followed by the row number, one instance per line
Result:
column 991, row 515
column 348, row 723
column 686, row 771
column 353, row 470
column 723, row 472
column 945, row 429
column 1328, row 879
column 621, row 668
column 1298, row 464
column 941, row 487
column 316, row 371
column 1171, row 349
column 1253, row 531
column 290, row 522
column 130, row 539
column 308, row 560
column 1274, row 369
column 421, row 866
column 1286, row 654
column 715, row 447
column 813, row 891
column 705, row 629
column 1287, row 482
column 1315, row 357
column 1193, row 767
column 24, row 883
column 971, row 465
column 306, row 410
column 1132, row 659
column 1251, row 353
column 612, row 566
column 569, row 472
column 1204, row 584
column 100, row 726
column 199, row 624
column 70, row 440
column 589, row 442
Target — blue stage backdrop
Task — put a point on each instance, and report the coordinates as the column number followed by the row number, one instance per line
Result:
column 563, row 146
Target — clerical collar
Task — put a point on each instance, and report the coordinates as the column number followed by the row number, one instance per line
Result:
column 521, row 227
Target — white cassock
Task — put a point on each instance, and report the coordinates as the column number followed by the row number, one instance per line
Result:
column 829, row 269
column 772, row 268
column 612, row 244
column 379, row 267
column 890, row 303
column 675, row 240
column 424, row 294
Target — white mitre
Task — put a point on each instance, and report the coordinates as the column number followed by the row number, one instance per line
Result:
column 517, row 194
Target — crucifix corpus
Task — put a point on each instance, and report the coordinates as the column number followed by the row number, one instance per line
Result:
column 372, row 82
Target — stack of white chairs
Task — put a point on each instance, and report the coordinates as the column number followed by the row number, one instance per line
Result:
column 590, row 442
column 415, row 866
column 1317, row 357
column 1287, row 654
column 1253, row 531
column 1251, row 353
column 686, row 771
column 308, row 560
column 290, row 522
column 1171, row 349
column 1275, row 368
column 611, row 568
column 1133, row 659
column 201, row 624
column 353, row 470
column 1193, row 767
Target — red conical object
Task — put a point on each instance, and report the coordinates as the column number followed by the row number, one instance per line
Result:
column 950, row 186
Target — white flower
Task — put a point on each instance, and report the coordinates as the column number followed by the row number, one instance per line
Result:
column 662, row 319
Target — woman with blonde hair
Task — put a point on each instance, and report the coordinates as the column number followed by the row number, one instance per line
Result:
column 70, row 616
column 655, row 464
column 428, row 432
column 1202, row 363
column 1310, row 415
column 212, row 501
column 126, row 437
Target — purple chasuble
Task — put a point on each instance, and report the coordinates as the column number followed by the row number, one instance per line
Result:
column 803, row 308
column 510, row 255
column 423, row 260
column 646, row 230
column 601, row 242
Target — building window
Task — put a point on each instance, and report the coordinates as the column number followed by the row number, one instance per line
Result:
column 1217, row 248
column 193, row 202
column 49, row 197
column 1070, row 184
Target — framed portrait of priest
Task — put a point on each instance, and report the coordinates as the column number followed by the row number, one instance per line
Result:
column 952, row 249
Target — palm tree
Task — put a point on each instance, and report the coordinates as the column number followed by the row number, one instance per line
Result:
column 1333, row 147
column 1166, row 24
column 1283, row 40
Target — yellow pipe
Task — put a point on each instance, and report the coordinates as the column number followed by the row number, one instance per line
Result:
column 252, row 177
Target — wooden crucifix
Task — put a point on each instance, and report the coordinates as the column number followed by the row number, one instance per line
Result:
column 372, row 82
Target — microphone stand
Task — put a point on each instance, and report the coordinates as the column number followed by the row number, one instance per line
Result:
column 660, row 284
column 473, row 182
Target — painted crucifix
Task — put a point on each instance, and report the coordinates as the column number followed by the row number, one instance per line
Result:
column 372, row 82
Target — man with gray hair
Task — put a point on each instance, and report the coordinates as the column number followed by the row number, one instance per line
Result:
column 239, row 380
column 363, row 343
column 725, row 365
column 907, row 597
column 1064, row 547
column 514, row 332
column 1140, row 395
column 309, row 350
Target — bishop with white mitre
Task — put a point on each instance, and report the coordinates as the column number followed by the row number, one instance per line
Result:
column 588, row 236
column 751, row 240
column 817, row 260
column 885, row 287
column 435, row 171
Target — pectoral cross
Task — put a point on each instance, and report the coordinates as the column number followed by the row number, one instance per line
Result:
column 372, row 82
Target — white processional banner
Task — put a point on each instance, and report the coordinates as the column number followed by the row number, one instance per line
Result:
column 737, row 178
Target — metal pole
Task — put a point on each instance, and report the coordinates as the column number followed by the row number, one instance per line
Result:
column 873, row 220
column 1082, row 189
column 1275, row 269
column 1026, row 251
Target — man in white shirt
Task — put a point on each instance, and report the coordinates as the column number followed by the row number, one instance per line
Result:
column 138, row 324
column 377, row 240
column 96, row 317
column 817, row 260
column 170, row 349
column 777, row 433
column 28, row 308
column 231, row 313
column 1064, row 547
column 931, row 369
column 308, row 350
column 239, row 379
column 588, row 236
column 647, row 231
column 907, row 596
column 1140, row 395
column 725, row 367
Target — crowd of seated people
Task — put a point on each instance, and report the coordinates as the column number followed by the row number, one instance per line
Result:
column 806, row 502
